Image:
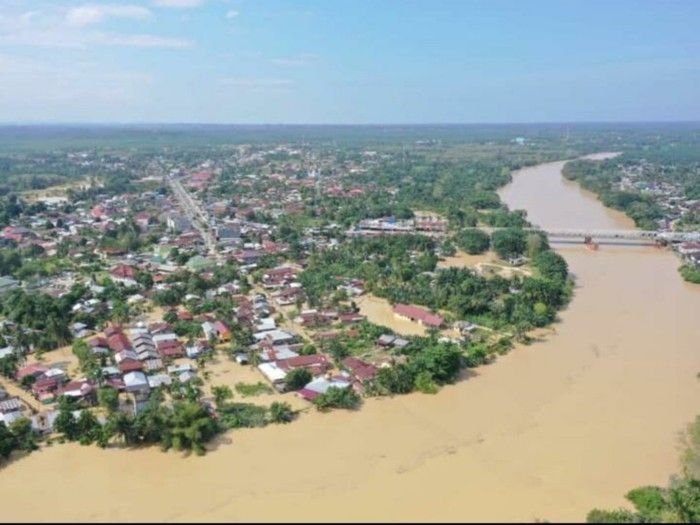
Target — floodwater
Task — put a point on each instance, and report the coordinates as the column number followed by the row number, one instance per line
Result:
column 546, row 432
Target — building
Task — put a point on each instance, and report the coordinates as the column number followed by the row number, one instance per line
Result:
column 418, row 315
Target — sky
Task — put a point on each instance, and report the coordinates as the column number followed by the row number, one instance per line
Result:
column 348, row 61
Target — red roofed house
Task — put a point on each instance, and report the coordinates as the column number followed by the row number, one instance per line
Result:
column 170, row 348
column 129, row 365
column 35, row 370
column 118, row 342
column 124, row 274
column 360, row 370
column 418, row 315
column 317, row 364
column 223, row 331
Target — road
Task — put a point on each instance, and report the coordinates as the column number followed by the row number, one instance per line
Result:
column 197, row 216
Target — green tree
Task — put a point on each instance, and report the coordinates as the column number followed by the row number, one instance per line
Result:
column 551, row 265
column 108, row 398
column 191, row 427
column 509, row 242
column 424, row 383
column 221, row 394
column 281, row 412
column 24, row 434
column 8, row 441
column 473, row 241
column 336, row 397
column 297, row 378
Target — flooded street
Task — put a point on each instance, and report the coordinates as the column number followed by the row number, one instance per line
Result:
column 547, row 432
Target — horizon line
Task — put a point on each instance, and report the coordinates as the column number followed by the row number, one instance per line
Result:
column 338, row 124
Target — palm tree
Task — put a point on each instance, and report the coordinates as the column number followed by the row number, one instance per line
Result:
column 191, row 426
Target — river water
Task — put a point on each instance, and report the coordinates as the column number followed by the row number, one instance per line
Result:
column 547, row 432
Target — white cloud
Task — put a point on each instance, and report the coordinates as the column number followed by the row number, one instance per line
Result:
column 257, row 83
column 178, row 4
column 93, row 13
column 122, row 39
column 303, row 59
column 54, row 29
column 232, row 13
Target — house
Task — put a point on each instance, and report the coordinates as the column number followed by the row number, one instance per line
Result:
column 80, row 330
column 247, row 256
column 153, row 365
column 10, row 410
column 360, row 370
column 35, row 370
column 8, row 283
column 45, row 388
column 179, row 369
column 136, row 382
column 43, row 422
column 7, row 351
column 117, row 340
column 386, row 340
column 275, row 337
column 210, row 333
column 170, row 349
column 196, row 349
column 278, row 277
column 157, row 380
column 223, row 331
column 350, row 318
column 124, row 274
column 320, row 385
column 99, row 345
column 82, row 390
column 273, row 373
column 316, row 363
column 178, row 223
column 128, row 361
column 418, row 315
column 266, row 324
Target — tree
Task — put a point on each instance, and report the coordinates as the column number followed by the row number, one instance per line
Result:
column 336, row 397
column 108, row 398
column 443, row 361
column 424, row 383
column 9, row 366
column 221, row 394
column 170, row 317
column 399, row 379
column 297, row 378
column 88, row 428
column 551, row 265
column 8, row 441
column 281, row 412
column 66, row 424
column 190, row 427
column 24, row 434
column 509, row 242
column 122, row 425
column 473, row 241
column 535, row 242
column 145, row 279
column 690, row 458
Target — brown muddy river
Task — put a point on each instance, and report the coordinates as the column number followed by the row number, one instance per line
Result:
column 548, row 431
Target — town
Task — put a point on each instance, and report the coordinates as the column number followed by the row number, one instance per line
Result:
column 163, row 282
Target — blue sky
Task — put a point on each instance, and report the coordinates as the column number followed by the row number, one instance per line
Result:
column 341, row 61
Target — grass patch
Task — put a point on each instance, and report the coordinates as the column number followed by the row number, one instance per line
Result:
column 253, row 389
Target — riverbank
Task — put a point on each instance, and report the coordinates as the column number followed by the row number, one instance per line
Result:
column 548, row 431
column 688, row 269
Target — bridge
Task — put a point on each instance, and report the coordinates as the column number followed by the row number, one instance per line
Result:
column 663, row 237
